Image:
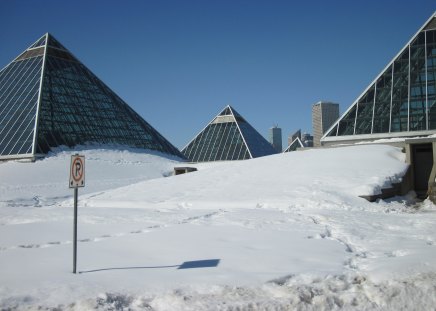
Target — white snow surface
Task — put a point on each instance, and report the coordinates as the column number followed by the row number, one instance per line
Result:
column 283, row 232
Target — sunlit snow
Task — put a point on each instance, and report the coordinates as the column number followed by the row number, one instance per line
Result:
column 281, row 232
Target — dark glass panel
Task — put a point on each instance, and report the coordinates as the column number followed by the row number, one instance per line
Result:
column 365, row 108
column 333, row 131
column 61, row 54
column 346, row 124
column 417, row 115
column 257, row 145
column 78, row 108
column 400, row 94
column 55, row 43
column 431, row 78
column 383, row 102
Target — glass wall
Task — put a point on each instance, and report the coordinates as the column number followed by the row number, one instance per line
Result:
column 19, row 90
column 431, row 78
column 403, row 98
column 382, row 107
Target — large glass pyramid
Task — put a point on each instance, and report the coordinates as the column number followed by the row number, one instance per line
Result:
column 401, row 101
column 48, row 98
column 227, row 137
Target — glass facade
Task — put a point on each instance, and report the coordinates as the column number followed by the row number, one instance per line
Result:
column 402, row 99
column 75, row 107
column 227, row 137
column 19, row 91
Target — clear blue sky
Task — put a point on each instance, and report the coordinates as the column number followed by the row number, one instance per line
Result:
column 178, row 63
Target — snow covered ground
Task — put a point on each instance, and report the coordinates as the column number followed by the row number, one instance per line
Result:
column 282, row 232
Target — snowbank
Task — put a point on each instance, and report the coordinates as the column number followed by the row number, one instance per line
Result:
column 45, row 181
column 348, row 171
column 280, row 232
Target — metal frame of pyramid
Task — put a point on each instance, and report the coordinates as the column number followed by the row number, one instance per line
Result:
column 227, row 137
column 48, row 98
column 400, row 101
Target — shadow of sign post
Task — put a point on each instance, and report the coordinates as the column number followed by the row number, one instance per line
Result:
column 208, row 263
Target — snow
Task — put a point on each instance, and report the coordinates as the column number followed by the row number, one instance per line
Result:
column 287, row 231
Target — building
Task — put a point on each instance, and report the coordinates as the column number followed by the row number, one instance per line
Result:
column 324, row 114
column 275, row 138
column 227, row 137
column 292, row 137
column 49, row 98
column 298, row 140
column 400, row 102
column 294, row 145
column 307, row 140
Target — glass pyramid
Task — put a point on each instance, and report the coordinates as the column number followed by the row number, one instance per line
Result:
column 401, row 101
column 227, row 137
column 296, row 143
column 48, row 98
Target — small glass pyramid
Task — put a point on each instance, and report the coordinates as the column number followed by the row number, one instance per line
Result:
column 227, row 137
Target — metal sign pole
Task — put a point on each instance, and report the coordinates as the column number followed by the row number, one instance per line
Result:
column 76, row 191
column 77, row 179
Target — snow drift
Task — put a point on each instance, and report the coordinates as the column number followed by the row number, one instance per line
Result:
column 285, row 232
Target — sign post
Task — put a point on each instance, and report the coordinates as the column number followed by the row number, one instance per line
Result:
column 77, row 179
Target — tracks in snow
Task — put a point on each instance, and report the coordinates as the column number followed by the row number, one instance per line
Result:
column 104, row 237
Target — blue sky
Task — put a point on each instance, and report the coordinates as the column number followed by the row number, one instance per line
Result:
column 178, row 63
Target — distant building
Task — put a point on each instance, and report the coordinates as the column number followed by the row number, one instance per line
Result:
column 275, row 138
column 324, row 114
column 298, row 140
column 294, row 145
column 227, row 137
column 307, row 140
column 292, row 137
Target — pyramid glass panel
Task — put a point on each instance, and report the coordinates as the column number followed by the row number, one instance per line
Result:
column 19, row 90
column 227, row 137
column 382, row 107
column 431, row 77
column 70, row 106
column 400, row 95
column 365, row 109
column 401, row 101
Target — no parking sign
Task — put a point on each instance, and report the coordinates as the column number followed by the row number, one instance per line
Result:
column 77, row 171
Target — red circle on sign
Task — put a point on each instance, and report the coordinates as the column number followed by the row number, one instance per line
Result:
column 79, row 177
